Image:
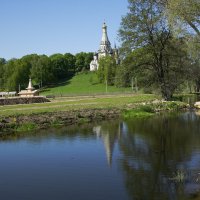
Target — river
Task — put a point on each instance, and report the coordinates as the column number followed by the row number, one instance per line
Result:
column 153, row 158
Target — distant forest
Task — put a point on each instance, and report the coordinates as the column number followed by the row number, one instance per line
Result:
column 43, row 70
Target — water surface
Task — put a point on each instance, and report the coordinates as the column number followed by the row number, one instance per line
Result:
column 154, row 158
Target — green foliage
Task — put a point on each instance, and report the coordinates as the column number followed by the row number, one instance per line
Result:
column 193, row 75
column 183, row 17
column 106, row 70
column 26, row 127
column 59, row 65
column 141, row 111
column 146, row 108
column 71, row 59
column 83, row 61
column 122, row 78
column 183, row 14
column 15, row 73
column 42, row 70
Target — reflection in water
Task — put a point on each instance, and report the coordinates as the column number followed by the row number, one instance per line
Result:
column 155, row 150
column 109, row 138
column 154, row 158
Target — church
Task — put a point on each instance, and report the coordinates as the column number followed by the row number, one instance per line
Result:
column 105, row 49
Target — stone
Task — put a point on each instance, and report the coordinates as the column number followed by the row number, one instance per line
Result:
column 197, row 104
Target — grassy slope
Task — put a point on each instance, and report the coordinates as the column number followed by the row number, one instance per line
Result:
column 81, row 84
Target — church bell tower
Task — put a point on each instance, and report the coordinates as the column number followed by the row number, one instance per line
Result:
column 105, row 46
column 105, row 49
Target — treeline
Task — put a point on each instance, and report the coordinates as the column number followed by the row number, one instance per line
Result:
column 42, row 69
column 160, row 47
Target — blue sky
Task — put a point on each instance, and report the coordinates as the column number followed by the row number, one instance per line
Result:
column 56, row 26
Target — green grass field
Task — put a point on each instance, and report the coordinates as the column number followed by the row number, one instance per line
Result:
column 75, row 103
column 83, row 84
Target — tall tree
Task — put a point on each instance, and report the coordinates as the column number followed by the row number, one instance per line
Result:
column 60, row 65
column 71, row 61
column 16, row 72
column 83, row 61
column 145, row 27
column 42, row 71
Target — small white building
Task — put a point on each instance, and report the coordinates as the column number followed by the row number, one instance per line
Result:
column 29, row 92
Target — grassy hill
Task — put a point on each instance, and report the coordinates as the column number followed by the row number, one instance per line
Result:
column 82, row 84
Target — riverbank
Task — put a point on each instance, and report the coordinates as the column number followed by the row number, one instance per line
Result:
column 44, row 120
column 68, row 111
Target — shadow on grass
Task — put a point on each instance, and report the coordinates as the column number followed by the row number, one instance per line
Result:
column 63, row 82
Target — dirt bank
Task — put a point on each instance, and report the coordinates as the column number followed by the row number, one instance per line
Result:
column 39, row 121
column 27, row 122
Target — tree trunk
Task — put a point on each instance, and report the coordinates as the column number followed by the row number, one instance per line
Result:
column 166, row 93
column 166, row 90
